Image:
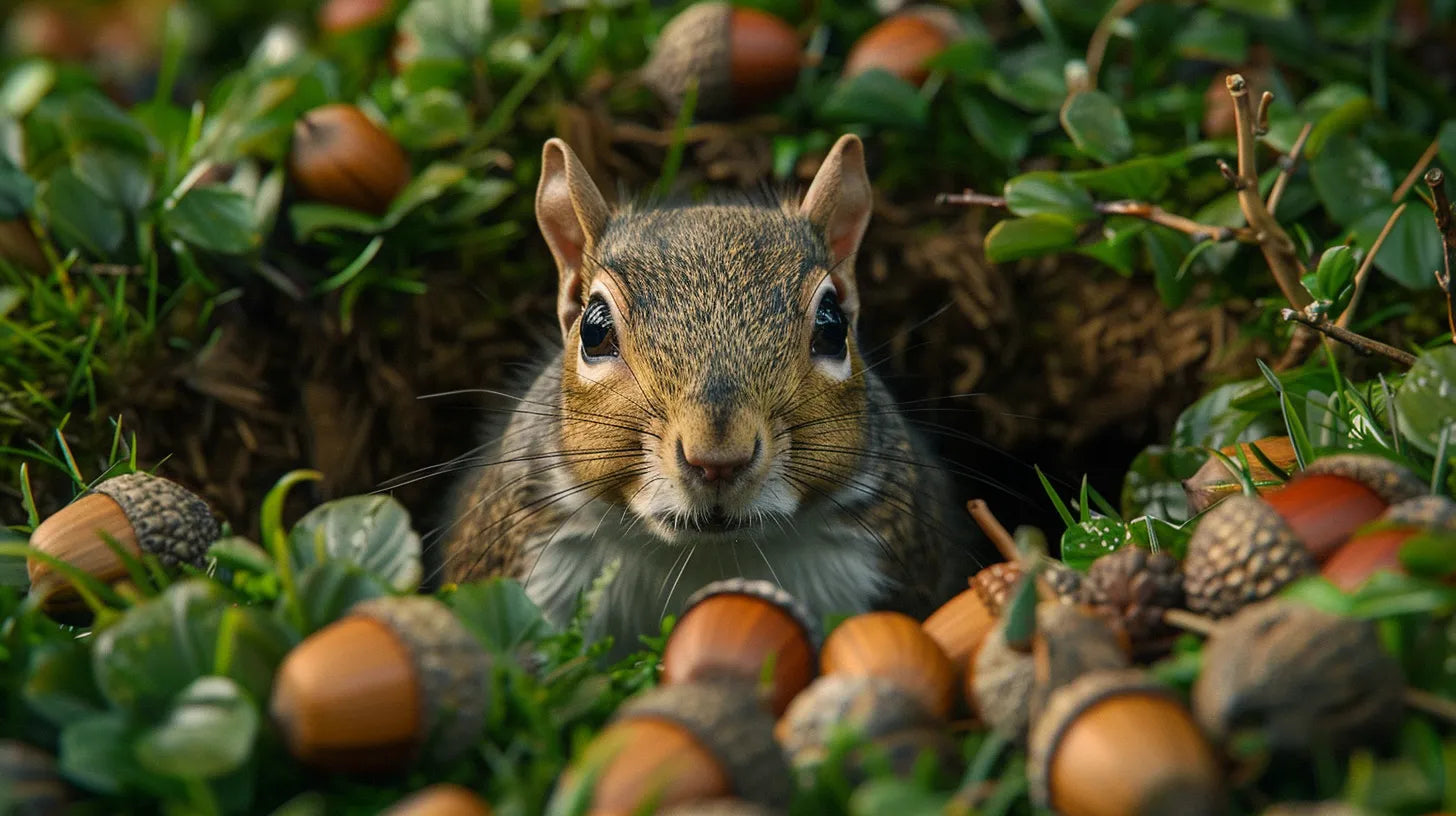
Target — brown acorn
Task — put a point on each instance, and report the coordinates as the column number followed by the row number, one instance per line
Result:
column 341, row 157
column 734, row 628
column 342, row 16
column 1379, row 548
column 141, row 513
column 441, row 799
column 29, row 782
column 683, row 743
column 1117, row 743
column 1241, row 552
column 869, row 706
column 901, row 44
column 892, row 645
column 959, row 626
column 740, row 57
column 1214, row 481
column 1301, row 677
column 1337, row 494
column 396, row 680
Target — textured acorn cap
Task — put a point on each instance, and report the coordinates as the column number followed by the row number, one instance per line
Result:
column 1070, row 641
column 727, row 719
column 994, row 583
column 1424, row 512
column 695, row 43
column 1241, row 552
column 29, row 781
column 1390, row 481
column 1002, row 679
column 1170, row 735
column 765, row 591
column 453, row 670
column 1132, row 587
column 1301, row 676
column 169, row 520
column 867, row 705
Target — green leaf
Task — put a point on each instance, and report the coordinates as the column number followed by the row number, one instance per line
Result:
column 25, row 86
column 876, row 97
column 215, row 219
column 1016, row 238
column 209, row 732
column 1047, row 193
column 17, row 190
column 1145, row 531
column 432, row 119
column 499, row 613
column 1431, row 553
column 60, row 685
column 996, row 126
column 371, row 532
column 79, row 217
column 241, row 555
column 1425, row 402
column 1117, row 248
column 1446, row 141
column 1097, row 126
column 969, row 58
column 120, row 177
column 434, row 181
column 1333, row 280
column 1032, row 78
column 330, row 588
column 95, row 753
column 1274, row 9
column 1209, row 35
column 1336, row 111
column 1166, row 249
column 1089, row 540
column 1412, row 251
column 1144, row 179
column 1351, row 180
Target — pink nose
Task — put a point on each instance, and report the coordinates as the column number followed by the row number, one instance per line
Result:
column 716, row 466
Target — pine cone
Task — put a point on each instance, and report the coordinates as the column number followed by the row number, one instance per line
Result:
column 995, row 583
column 1132, row 588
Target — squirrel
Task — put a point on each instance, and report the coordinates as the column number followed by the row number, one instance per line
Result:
column 710, row 415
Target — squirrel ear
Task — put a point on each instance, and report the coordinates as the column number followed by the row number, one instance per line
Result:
column 840, row 198
column 572, row 214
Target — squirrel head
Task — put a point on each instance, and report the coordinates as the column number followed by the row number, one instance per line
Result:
column 711, row 380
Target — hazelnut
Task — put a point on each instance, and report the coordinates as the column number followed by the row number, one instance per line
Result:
column 1117, row 743
column 902, row 44
column 892, row 645
column 340, row 156
column 140, row 513
column 395, row 680
column 1300, row 676
column 672, row 745
column 735, row 628
column 1214, row 481
column 1241, row 552
column 740, row 57
column 441, row 799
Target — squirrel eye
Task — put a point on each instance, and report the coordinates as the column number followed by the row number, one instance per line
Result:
column 598, row 335
column 831, row 329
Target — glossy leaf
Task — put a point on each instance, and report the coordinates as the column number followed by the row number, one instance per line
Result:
column 1426, row 401
column 215, row 219
column 1045, row 193
column 1087, row 541
column 1097, row 126
column 17, row 190
column 209, row 732
column 79, row 217
column 996, row 126
column 1144, row 179
column 1351, row 180
column 1411, row 253
column 499, row 613
column 309, row 218
column 1031, row 78
column 1016, row 238
column 370, row 532
column 329, row 588
column 876, row 97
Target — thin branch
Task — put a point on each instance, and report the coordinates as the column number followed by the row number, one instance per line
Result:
column 1134, row 209
column 1287, row 166
column 1415, row 172
column 991, row 526
column 1435, row 179
column 1277, row 246
column 1189, row 621
column 1097, row 45
column 1362, row 275
column 1359, row 342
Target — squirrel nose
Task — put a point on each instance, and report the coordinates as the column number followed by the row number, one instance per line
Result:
column 717, row 467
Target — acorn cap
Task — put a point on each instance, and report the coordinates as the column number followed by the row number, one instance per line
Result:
column 695, row 43
column 1241, row 552
column 1176, row 774
column 169, row 520
column 1002, row 681
column 1131, row 588
column 869, row 706
column 441, row 799
column 1301, row 676
column 29, row 782
column 733, row 727
column 1424, row 512
column 1070, row 642
column 1391, row 481
column 736, row 627
column 994, row 583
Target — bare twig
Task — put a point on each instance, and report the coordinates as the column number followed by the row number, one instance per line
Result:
column 1287, row 166
column 991, row 526
column 1357, row 341
column 1415, row 172
column 1435, row 179
column 1189, row 621
column 1277, row 246
column 1135, row 209
column 1097, row 45
column 1362, row 275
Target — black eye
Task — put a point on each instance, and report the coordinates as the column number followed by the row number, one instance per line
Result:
column 598, row 335
column 831, row 329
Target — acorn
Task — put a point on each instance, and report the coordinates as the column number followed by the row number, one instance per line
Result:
column 441, row 799
column 1302, row 677
column 868, row 706
column 395, row 681
column 718, row 807
column 140, row 513
column 1379, row 548
column 892, row 645
column 682, row 743
column 343, row 16
column 1117, row 743
column 959, row 626
column 999, row 685
column 29, row 782
column 741, row 57
column 1241, row 552
column 1337, row 494
column 735, row 628
column 1331, row 808
column 1131, row 588
column 1070, row 642
column 903, row 43
column 341, row 157
column 1214, row 481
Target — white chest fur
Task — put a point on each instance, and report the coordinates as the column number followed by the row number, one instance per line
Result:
column 825, row 560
